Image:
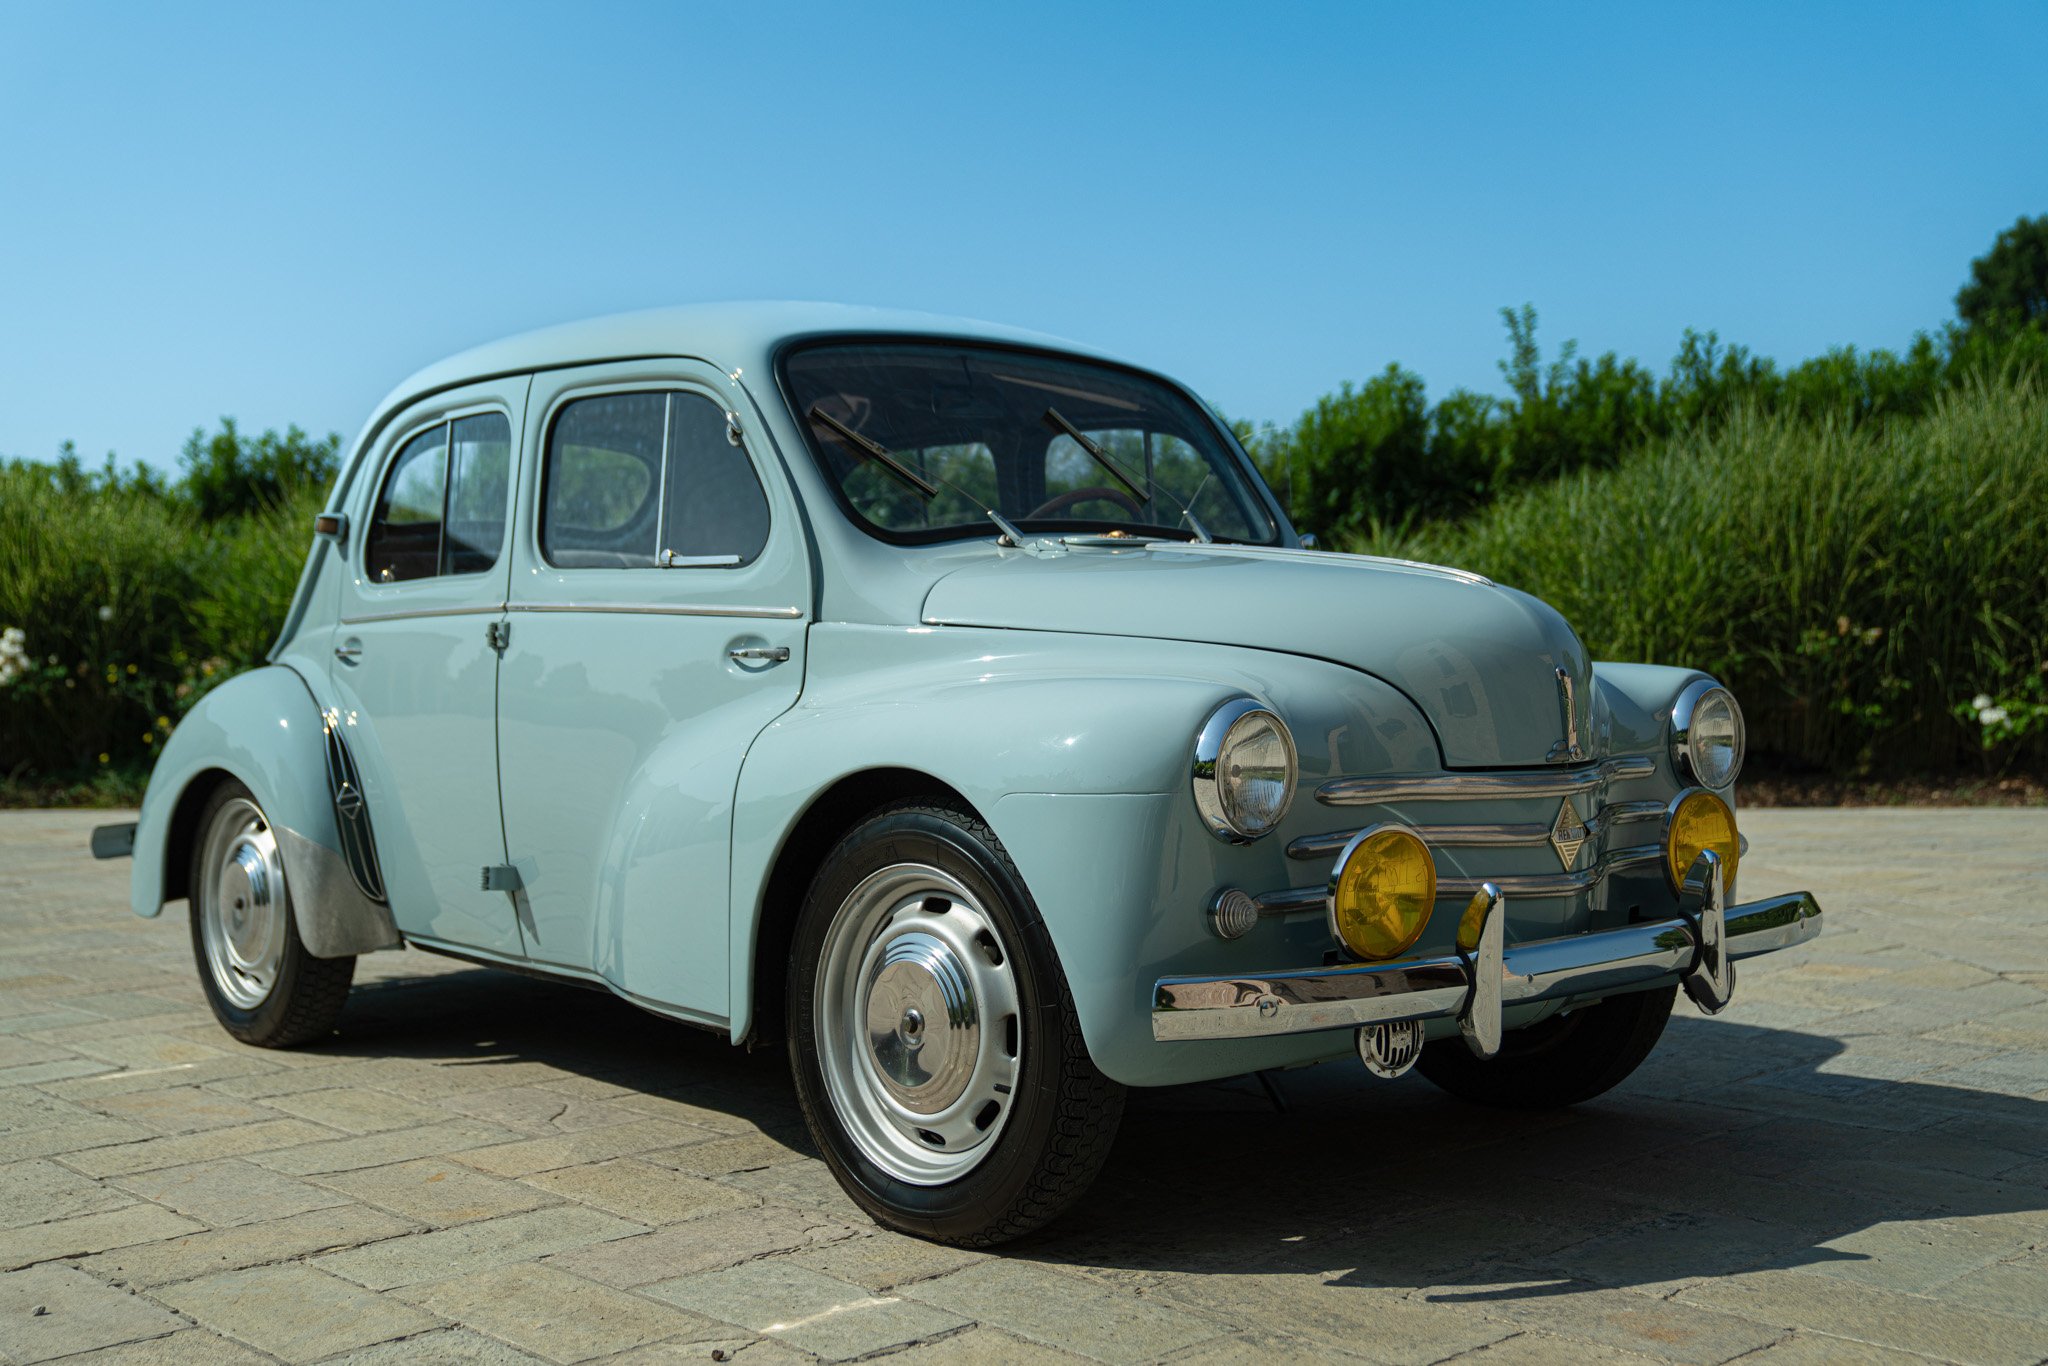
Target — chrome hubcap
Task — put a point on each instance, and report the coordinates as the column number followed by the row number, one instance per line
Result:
column 917, row 1029
column 241, row 904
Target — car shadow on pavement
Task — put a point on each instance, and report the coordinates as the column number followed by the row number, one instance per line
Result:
column 1735, row 1148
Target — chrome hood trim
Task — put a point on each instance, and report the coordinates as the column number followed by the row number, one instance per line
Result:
column 1479, row 660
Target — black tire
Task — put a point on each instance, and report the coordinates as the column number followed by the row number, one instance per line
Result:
column 1063, row 1112
column 1557, row 1062
column 306, row 994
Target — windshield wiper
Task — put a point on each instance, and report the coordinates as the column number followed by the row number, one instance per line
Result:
column 875, row 451
column 1059, row 423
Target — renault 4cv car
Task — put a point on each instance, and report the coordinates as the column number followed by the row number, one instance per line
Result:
column 957, row 707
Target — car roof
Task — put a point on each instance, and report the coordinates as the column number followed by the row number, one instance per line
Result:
column 727, row 333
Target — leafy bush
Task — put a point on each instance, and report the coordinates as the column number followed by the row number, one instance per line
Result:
column 121, row 604
column 1380, row 456
column 1853, row 582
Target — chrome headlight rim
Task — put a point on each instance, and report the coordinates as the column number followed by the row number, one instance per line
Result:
column 1685, row 753
column 1211, row 743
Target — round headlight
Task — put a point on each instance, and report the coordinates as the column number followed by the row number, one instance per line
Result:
column 1706, row 734
column 1698, row 820
column 1244, row 771
column 1382, row 891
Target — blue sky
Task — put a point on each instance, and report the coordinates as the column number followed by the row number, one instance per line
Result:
column 278, row 211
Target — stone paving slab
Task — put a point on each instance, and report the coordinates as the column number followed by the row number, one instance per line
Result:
column 1850, row 1165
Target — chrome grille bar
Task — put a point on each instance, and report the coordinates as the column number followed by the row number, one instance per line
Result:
column 1483, row 836
column 1444, row 787
column 1306, row 900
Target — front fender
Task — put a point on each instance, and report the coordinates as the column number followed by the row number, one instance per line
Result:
column 1077, row 751
column 264, row 729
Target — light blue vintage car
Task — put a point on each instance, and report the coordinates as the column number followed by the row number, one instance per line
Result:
column 958, row 706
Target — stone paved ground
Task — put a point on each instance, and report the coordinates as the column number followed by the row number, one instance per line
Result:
column 1850, row 1165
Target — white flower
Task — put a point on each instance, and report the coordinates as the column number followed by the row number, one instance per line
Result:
column 1980, row 701
column 106, row 614
column 1992, row 716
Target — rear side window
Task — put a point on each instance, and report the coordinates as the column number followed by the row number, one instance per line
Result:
column 442, row 509
column 638, row 480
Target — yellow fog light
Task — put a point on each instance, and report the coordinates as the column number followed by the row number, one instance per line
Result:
column 1382, row 891
column 1697, row 820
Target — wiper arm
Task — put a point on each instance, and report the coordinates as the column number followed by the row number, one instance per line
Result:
column 1088, row 444
column 875, row 451
column 1058, row 423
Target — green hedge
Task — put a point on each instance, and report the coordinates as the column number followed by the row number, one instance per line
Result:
column 1875, row 593
column 122, row 606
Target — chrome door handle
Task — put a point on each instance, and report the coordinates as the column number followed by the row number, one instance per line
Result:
column 347, row 653
column 771, row 654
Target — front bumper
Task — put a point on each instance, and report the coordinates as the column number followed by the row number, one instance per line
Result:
column 1473, row 986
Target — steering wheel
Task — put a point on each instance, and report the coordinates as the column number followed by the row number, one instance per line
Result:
column 1060, row 502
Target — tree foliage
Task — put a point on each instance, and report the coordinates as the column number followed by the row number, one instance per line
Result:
column 228, row 474
column 2008, row 286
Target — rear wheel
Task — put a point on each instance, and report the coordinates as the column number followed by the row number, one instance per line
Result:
column 265, row 989
column 1557, row 1062
column 936, row 1053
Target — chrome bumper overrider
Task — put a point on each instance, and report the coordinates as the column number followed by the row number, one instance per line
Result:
column 1473, row 986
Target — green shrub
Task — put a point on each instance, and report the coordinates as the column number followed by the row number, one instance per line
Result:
column 1854, row 583
column 120, row 606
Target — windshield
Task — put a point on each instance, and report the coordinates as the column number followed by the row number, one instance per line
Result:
column 922, row 438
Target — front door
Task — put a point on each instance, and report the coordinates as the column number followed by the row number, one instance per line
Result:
column 658, row 604
column 415, row 669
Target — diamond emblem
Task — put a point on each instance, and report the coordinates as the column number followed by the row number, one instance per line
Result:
column 1567, row 833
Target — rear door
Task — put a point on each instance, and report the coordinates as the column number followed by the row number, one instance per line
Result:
column 415, row 670
column 658, row 604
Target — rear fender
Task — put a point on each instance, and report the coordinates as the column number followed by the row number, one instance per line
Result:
column 266, row 730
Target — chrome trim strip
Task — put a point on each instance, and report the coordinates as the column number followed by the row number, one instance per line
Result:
column 1304, row 900
column 1449, row 836
column 1443, row 787
column 662, row 609
column 1529, row 833
column 485, row 610
column 1605, row 961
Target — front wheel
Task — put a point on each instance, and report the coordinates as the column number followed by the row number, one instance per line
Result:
column 265, row 989
column 936, row 1052
column 1556, row 1062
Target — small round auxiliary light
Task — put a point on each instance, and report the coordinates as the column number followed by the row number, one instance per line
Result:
column 1697, row 820
column 1382, row 891
column 1233, row 913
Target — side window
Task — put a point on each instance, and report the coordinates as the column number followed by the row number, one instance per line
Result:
column 632, row 480
column 442, row 510
column 405, row 534
column 714, row 505
column 479, row 473
column 603, row 482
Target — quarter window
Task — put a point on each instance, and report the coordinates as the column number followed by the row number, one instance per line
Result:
column 442, row 510
column 638, row 480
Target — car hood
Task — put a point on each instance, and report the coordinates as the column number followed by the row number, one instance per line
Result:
column 1478, row 659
